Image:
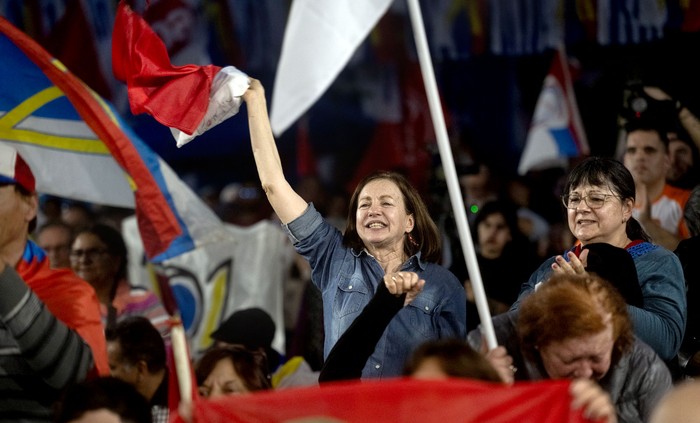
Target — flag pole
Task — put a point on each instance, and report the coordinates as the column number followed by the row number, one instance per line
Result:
column 182, row 361
column 450, row 172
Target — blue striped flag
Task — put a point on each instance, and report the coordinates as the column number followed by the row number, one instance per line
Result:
column 79, row 148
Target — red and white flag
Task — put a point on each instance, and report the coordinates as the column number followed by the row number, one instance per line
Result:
column 189, row 99
column 556, row 132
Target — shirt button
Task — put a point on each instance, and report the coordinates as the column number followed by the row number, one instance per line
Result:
column 377, row 366
column 350, row 287
column 427, row 308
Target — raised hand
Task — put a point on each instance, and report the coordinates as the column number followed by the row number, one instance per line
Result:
column 399, row 283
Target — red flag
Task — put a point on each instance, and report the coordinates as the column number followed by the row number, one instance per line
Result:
column 402, row 144
column 176, row 96
column 306, row 159
column 399, row 400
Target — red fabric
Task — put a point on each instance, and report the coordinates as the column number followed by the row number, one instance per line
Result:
column 691, row 17
column 398, row 400
column 72, row 300
column 404, row 146
column 176, row 96
column 307, row 165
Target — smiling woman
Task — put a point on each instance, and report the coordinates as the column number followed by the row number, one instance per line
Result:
column 599, row 197
column 388, row 230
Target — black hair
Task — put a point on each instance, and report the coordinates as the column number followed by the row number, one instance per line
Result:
column 109, row 393
column 114, row 241
column 605, row 171
column 139, row 340
column 648, row 125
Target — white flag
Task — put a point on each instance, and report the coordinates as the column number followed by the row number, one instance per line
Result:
column 320, row 38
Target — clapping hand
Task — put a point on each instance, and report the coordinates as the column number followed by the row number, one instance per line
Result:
column 574, row 266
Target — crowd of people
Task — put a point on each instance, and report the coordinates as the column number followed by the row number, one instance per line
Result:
column 607, row 301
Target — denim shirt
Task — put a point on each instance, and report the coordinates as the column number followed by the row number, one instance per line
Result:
column 661, row 321
column 348, row 280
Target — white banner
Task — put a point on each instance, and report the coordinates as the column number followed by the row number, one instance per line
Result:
column 216, row 279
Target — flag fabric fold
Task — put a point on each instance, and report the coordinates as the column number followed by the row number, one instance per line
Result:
column 189, row 99
column 556, row 132
column 319, row 39
column 224, row 102
column 79, row 148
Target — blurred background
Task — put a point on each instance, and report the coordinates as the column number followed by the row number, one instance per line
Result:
column 490, row 59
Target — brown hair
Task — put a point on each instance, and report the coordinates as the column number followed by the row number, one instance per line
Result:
column 425, row 233
column 250, row 365
column 579, row 305
column 456, row 357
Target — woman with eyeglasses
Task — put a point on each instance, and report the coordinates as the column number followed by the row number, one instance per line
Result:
column 99, row 256
column 599, row 197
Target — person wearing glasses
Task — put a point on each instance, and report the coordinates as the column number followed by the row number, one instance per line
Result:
column 99, row 256
column 599, row 197
column 56, row 237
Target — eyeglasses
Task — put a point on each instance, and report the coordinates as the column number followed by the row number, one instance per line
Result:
column 90, row 253
column 594, row 201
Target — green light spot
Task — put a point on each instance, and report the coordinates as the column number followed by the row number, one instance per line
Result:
column 474, row 209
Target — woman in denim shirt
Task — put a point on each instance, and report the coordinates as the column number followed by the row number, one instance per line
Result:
column 389, row 230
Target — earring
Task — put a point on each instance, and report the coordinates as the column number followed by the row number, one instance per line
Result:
column 411, row 240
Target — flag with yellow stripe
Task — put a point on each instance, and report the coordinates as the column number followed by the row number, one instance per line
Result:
column 78, row 147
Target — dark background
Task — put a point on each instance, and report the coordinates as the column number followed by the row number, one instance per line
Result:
column 489, row 97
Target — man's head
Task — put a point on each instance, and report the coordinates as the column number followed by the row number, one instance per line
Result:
column 685, row 160
column 136, row 354
column 646, row 153
column 56, row 238
column 18, row 203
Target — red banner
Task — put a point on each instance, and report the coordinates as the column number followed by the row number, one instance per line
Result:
column 399, row 400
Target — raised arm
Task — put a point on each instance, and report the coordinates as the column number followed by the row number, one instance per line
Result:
column 287, row 204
